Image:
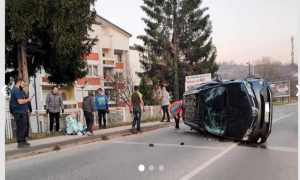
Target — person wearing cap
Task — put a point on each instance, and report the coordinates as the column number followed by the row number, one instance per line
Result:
column 88, row 107
column 101, row 105
column 175, row 109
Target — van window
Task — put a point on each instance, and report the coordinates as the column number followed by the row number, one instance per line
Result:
column 215, row 110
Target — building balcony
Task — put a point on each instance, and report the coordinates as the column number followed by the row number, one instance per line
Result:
column 108, row 59
column 119, row 65
column 108, row 63
column 108, row 84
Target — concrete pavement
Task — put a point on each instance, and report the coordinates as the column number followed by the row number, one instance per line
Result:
column 201, row 156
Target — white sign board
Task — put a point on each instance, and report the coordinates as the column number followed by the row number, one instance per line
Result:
column 196, row 80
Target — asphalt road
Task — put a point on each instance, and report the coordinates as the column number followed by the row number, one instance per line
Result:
column 201, row 157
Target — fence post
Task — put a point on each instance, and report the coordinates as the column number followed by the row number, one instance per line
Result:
column 124, row 114
column 151, row 111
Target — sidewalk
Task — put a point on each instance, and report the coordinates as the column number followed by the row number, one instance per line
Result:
column 47, row 144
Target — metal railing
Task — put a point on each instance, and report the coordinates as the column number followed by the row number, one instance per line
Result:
column 39, row 120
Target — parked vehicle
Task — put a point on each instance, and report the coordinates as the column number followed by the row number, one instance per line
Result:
column 234, row 109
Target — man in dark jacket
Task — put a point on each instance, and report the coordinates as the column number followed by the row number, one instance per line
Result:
column 19, row 109
column 54, row 103
column 88, row 107
column 28, row 117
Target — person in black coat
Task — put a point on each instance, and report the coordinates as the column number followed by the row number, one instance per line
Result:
column 30, row 111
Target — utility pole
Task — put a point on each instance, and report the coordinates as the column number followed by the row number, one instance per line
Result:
column 249, row 68
column 253, row 67
column 292, row 63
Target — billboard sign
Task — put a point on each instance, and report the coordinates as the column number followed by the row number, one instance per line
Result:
column 280, row 88
column 196, row 80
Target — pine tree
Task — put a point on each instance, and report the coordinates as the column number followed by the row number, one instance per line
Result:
column 48, row 34
column 177, row 42
column 147, row 92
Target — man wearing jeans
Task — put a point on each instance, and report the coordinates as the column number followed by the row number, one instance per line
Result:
column 88, row 110
column 19, row 108
column 135, row 102
column 54, row 103
column 165, row 102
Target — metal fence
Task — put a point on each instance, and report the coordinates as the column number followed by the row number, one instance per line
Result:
column 39, row 120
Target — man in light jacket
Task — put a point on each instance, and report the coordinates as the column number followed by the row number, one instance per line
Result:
column 88, row 107
column 165, row 102
column 54, row 103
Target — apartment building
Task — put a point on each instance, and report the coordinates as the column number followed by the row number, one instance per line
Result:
column 108, row 58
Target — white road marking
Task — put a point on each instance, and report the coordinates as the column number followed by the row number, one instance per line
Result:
column 207, row 163
column 218, row 156
column 285, row 116
column 95, row 143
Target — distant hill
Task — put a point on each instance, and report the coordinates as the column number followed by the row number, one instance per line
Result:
column 233, row 71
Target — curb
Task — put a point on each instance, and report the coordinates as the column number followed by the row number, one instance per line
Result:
column 39, row 149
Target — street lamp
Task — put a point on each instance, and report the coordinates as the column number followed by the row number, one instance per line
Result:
column 249, row 68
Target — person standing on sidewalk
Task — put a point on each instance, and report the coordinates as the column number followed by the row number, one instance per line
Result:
column 165, row 102
column 28, row 117
column 101, row 105
column 175, row 109
column 54, row 103
column 88, row 107
column 19, row 108
column 136, row 100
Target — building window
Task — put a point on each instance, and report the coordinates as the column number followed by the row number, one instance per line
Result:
column 120, row 77
column 90, row 70
column 93, row 71
column 119, row 57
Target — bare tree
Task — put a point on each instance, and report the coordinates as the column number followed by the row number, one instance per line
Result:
column 267, row 68
column 123, row 83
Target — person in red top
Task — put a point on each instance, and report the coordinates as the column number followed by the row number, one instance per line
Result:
column 175, row 109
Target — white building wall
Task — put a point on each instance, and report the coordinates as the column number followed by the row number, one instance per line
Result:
column 120, row 40
column 135, row 65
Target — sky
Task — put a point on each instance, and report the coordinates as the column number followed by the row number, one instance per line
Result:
column 243, row 30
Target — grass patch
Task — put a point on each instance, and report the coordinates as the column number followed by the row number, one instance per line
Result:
column 104, row 138
column 54, row 134
column 34, row 136
column 56, row 148
column 278, row 103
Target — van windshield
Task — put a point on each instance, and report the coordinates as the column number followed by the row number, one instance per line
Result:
column 215, row 110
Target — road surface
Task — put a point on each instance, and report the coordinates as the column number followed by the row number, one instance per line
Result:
column 201, row 157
